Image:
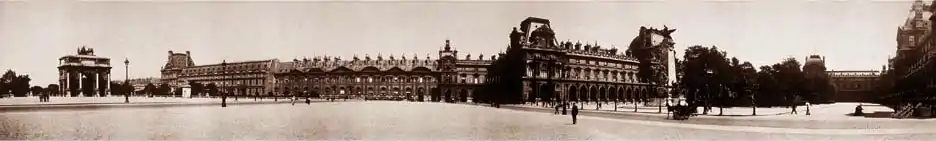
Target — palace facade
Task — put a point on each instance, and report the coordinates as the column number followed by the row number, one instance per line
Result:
column 914, row 67
column 854, row 86
column 534, row 67
column 243, row 78
column 383, row 78
column 538, row 67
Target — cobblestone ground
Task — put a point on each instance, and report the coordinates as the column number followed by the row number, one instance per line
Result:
column 371, row 120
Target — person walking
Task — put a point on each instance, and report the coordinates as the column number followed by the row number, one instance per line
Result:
column 308, row 101
column 574, row 113
column 794, row 109
column 293, row 100
column 556, row 106
column 807, row 108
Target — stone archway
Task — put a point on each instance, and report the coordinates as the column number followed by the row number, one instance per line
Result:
column 620, row 93
column 409, row 94
column 420, row 94
column 629, row 95
column 463, row 95
column 572, row 94
column 593, row 93
column 583, row 94
column 544, row 93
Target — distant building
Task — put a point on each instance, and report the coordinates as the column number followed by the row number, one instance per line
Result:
column 817, row 79
column 854, row 86
column 445, row 79
column 538, row 67
column 140, row 83
column 241, row 78
column 84, row 74
column 913, row 67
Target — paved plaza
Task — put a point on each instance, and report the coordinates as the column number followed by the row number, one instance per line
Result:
column 387, row 120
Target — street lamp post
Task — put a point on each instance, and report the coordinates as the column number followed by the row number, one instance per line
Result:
column 127, row 79
column 224, row 93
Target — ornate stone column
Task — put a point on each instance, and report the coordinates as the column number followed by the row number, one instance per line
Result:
column 81, row 81
column 63, row 82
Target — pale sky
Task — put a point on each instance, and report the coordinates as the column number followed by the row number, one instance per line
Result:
column 853, row 35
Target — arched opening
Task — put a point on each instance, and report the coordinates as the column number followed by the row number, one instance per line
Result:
column 420, row 94
column 463, row 95
column 594, row 93
column 583, row 94
column 573, row 94
column 409, row 94
column 544, row 92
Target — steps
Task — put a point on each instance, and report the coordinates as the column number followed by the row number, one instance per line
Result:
column 906, row 111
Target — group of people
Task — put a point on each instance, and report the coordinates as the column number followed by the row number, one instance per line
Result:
column 563, row 106
column 43, row 97
column 307, row 100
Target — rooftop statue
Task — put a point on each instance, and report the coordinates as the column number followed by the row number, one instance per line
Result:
column 481, row 57
column 85, row 51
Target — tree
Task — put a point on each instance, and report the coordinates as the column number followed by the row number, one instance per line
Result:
column 197, row 88
column 21, row 85
column 212, row 89
column 115, row 88
column 149, row 89
column 791, row 79
column 6, row 83
column 36, row 90
column 127, row 89
column 53, row 89
column 164, row 89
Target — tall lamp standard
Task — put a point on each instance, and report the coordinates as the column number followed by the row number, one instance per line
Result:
column 224, row 93
column 127, row 78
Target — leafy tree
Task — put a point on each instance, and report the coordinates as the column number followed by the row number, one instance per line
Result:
column 127, row 89
column 212, row 89
column 197, row 88
column 149, row 89
column 36, row 90
column 164, row 89
column 21, row 85
column 115, row 88
column 53, row 89
column 6, row 83
column 791, row 79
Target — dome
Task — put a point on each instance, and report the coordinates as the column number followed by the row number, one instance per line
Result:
column 814, row 60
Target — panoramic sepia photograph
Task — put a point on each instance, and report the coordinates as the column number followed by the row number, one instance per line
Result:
column 642, row 70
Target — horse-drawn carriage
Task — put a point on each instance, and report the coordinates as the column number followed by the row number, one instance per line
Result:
column 681, row 110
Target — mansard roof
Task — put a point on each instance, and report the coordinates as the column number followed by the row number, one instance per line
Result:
column 357, row 66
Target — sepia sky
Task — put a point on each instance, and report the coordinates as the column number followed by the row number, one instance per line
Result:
column 852, row 34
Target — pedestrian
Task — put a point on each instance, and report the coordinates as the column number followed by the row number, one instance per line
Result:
column 294, row 100
column 858, row 110
column 794, row 109
column 556, row 106
column 308, row 101
column 807, row 108
column 574, row 113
